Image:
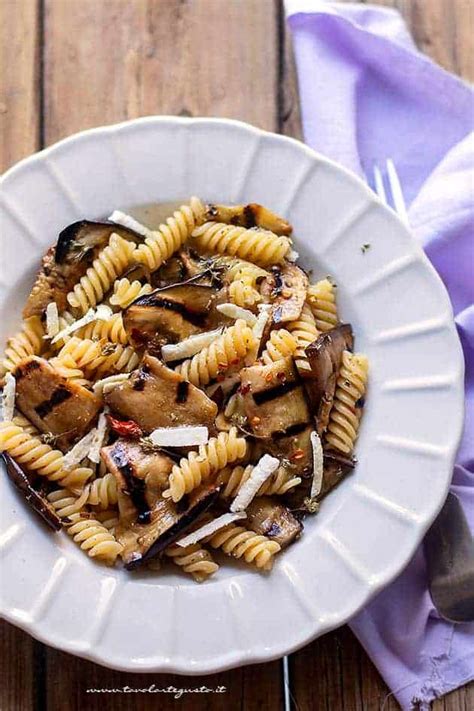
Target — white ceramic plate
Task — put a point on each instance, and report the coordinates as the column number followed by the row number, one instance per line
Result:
column 368, row 529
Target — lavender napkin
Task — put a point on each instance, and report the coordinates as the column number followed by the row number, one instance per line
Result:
column 367, row 94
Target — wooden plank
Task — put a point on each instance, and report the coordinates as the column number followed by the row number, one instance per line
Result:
column 112, row 60
column 19, row 136
column 19, row 73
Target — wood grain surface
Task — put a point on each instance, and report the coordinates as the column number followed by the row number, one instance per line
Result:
column 67, row 65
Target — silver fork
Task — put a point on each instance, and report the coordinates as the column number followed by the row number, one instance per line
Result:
column 448, row 545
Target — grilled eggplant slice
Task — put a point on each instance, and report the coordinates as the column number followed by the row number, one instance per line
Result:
column 286, row 288
column 54, row 404
column 274, row 398
column 155, row 396
column 64, row 264
column 169, row 314
column 270, row 518
column 324, row 356
column 251, row 215
column 33, row 498
column 148, row 523
column 336, row 468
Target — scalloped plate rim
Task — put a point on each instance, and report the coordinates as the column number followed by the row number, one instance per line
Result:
column 241, row 656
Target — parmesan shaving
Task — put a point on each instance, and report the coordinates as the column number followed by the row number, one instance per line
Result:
column 121, row 218
column 210, row 528
column 190, row 346
column 235, row 312
column 80, row 450
column 186, row 436
column 98, row 439
column 102, row 313
column 104, row 386
column 318, row 464
column 258, row 330
column 8, row 397
column 292, row 255
column 260, row 473
column 52, row 319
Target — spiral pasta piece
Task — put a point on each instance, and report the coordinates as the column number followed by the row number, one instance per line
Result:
column 279, row 483
column 226, row 351
column 345, row 414
column 38, row 457
column 113, row 330
column 305, row 331
column 262, row 247
column 103, row 492
column 280, row 345
column 109, row 264
column 238, row 542
column 66, row 366
column 226, row 448
column 27, row 342
column 99, row 357
column 126, row 291
column 170, row 236
column 109, row 519
column 243, row 278
column 66, row 503
column 322, row 301
column 93, row 537
column 194, row 560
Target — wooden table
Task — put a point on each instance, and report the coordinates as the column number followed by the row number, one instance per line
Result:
column 68, row 65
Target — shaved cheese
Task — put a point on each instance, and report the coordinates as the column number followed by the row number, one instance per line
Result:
column 99, row 438
column 8, row 397
column 260, row 473
column 101, row 313
column 292, row 255
column 210, row 528
column 318, row 464
column 52, row 319
column 80, row 450
column 190, row 346
column 121, row 218
column 258, row 330
column 235, row 312
column 104, row 386
column 186, row 436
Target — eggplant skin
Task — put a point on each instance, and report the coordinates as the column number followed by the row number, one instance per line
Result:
column 325, row 356
column 33, row 498
column 270, row 518
column 78, row 239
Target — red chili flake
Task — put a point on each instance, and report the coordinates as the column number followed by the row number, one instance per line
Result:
column 220, row 377
column 297, row 454
column 269, row 377
column 281, row 376
column 222, row 366
column 286, row 293
column 236, row 361
column 255, row 420
column 244, row 389
column 125, row 428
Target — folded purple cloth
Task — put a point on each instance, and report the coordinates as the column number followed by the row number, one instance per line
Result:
column 366, row 95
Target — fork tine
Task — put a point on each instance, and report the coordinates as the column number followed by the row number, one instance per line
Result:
column 378, row 184
column 397, row 193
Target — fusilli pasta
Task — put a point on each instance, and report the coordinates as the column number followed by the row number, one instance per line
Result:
column 126, row 291
column 345, row 414
column 322, row 300
column 112, row 329
column 103, row 492
column 224, row 449
column 280, row 345
column 278, row 483
column 259, row 246
column 93, row 537
column 66, row 366
column 170, row 236
column 194, row 560
column 66, row 503
column 109, row 264
column 226, row 351
column 38, row 457
column 305, row 332
column 29, row 341
column 238, row 542
column 96, row 358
